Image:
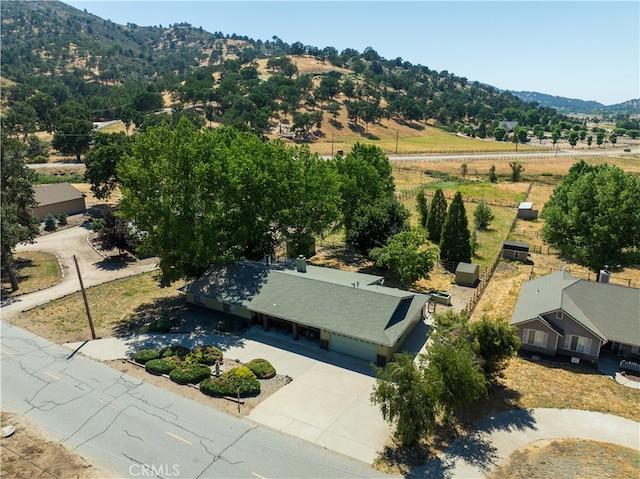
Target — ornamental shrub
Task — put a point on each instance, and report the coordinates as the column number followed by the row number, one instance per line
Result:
column 159, row 366
column 159, row 326
column 190, row 374
column 145, row 355
column 177, row 361
column 228, row 383
column 261, row 368
column 180, row 351
column 204, row 355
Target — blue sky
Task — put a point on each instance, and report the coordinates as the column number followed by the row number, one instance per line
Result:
column 588, row 50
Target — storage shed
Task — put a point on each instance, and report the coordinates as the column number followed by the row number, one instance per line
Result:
column 467, row 274
column 515, row 250
column 526, row 211
column 58, row 198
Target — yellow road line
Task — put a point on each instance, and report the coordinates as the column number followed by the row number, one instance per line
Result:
column 258, row 475
column 6, row 352
column 177, row 437
column 108, row 404
column 52, row 375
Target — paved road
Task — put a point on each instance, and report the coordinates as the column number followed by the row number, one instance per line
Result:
column 124, row 425
column 94, row 268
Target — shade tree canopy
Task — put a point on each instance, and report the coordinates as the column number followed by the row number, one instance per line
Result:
column 211, row 197
column 18, row 225
column 593, row 215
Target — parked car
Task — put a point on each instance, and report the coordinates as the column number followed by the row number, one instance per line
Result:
column 627, row 150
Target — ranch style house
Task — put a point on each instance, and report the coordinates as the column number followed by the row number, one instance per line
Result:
column 347, row 312
column 559, row 314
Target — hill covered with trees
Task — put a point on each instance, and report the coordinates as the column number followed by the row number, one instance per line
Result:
column 59, row 63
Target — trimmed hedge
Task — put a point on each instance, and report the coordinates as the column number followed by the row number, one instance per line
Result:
column 145, row 355
column 204, row 355
column 180, row 351
column 228, row 383
column 190, row 374
column 261, row 368
column 159, row 366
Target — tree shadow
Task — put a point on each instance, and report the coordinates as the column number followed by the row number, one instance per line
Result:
column 116, row 262
column 19, row 267
column 188, row 325
column 409, row 124
column 336, row 124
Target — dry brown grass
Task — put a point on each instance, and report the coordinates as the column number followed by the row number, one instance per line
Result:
column 569, row 458
column 35, row 270
column 29, row 453
column 140, row 298
column 541, row 384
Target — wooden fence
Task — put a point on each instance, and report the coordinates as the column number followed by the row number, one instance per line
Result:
column 484, row 282
column 410, row 193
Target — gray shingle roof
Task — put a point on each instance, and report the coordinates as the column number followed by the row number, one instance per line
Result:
column 609, row 311
column 352, row 304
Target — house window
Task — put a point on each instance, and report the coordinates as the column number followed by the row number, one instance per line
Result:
column 198, row 300
column 558, row 314
column 535, row 337
column 579, row 344
column 226, row 308
column 516, row 254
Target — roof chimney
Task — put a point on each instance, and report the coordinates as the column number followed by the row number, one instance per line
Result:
column 301, row 264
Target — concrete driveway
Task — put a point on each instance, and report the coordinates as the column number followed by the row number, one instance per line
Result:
column 94, row 267
column 326, row 403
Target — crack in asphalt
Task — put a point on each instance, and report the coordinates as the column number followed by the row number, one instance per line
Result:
column 219, row 456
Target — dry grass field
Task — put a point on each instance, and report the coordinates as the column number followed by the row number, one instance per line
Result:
column 35, row 270
column 570, row 458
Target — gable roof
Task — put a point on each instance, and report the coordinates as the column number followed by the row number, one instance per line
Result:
column 607, row 310
column 525, row 205
column 352, row 304
column 56, row 193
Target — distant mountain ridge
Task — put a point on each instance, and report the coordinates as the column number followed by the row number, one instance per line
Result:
column 573, row 105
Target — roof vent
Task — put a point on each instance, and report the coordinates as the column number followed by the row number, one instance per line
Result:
column 301, row 264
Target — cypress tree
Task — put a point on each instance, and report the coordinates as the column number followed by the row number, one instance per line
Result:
column 437, row 215
column 422, row 207
column 455, row 242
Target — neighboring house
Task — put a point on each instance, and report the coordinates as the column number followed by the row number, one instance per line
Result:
column 508, row 125
column 58, row 198
column 526, row 211
column 347, row 312
column 515, row 250
column 559, row 314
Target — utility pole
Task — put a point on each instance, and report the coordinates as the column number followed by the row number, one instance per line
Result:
column 84, row 296
column 397, row 133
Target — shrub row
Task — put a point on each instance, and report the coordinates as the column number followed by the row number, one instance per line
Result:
column 192, row 367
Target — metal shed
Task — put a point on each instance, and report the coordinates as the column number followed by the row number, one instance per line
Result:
column 467, row 274
column 526, row 211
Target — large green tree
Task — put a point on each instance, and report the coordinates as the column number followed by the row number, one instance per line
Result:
column 593, row 215
column 18, row 225
column 455, row 241
column 437, row 215
column 495, row 341
column 209, row 197
column 409, row 254
column 422, row 205
column 102, row 159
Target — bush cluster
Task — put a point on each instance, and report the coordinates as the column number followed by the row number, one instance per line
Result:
column 159, row 366
column 204, row 355
column 228, row 383
column 145, row 355
column 261, row 368
column 180, row 351
column 190, row 374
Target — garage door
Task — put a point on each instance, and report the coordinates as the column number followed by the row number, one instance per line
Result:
column 353, row 347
